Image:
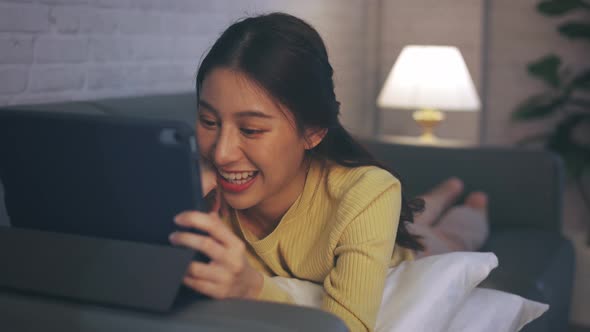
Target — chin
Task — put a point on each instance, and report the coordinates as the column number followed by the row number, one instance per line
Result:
column 239, row 203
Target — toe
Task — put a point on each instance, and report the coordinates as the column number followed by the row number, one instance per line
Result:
column 477, row 200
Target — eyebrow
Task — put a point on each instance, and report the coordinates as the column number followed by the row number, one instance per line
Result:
column 241, row 114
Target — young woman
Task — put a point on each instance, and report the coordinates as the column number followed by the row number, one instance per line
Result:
column 302, row 198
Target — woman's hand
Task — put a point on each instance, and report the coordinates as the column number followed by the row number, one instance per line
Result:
column 208, row 178
column 228, row 274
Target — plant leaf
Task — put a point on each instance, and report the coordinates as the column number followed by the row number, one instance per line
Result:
column 547, row 69
column 576, row 156
column 537, row 138
column 574, row 30
column 557, row 7
column 538, row 106
column 581, row 80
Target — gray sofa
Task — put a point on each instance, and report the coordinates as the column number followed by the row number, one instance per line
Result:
column 525, row 193
column 524, row 187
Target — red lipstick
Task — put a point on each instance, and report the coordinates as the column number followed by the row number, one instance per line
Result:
column 234, row 187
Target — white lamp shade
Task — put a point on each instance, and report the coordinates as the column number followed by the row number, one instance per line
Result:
column 429, row 77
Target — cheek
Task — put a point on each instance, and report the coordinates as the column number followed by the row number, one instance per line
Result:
column 278, row 153
column 205, row 140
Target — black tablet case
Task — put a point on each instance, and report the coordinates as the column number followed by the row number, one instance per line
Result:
column 91, row 201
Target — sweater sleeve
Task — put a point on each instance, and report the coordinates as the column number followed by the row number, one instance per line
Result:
column 354, row 287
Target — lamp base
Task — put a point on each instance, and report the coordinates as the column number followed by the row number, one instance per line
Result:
column 428, row 119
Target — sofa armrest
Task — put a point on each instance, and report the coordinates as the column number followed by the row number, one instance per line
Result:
column 538, row 265
column 524, row 187
column 24, row 312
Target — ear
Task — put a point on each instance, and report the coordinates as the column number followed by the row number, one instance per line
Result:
column 314, row 136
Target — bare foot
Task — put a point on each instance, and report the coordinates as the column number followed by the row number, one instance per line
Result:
column 477, row 200
column 438, row 200
column 465, row 227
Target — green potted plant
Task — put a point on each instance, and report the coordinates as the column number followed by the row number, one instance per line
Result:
column 566, row 99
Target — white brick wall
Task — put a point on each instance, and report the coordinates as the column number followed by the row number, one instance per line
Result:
column 24, row 17
column 16, row 50
column 60, row 49
column 58, row 78
column 84, row 49
column 14, row 80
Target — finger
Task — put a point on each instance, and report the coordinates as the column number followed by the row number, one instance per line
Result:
column 206, row 287
column 207, row 271
column 208, row 178
column 185, row 218
column 210, row 201
column 209, row 223
column 217, row 203
column 223, row 210
column 205, row 244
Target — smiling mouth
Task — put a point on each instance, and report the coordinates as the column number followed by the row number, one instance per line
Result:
column 238, row 178
column 230, row 183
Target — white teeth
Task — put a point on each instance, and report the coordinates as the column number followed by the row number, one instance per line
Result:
column 237, row 178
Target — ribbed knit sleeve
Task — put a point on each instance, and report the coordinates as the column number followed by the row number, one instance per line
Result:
column 354, row 287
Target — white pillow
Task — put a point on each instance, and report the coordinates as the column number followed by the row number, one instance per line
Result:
column 421, row 295
column 488, row 310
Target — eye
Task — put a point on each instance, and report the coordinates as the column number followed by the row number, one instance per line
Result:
column 208, row 123
column 251, row 132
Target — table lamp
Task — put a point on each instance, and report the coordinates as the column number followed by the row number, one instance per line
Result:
column 429, row 79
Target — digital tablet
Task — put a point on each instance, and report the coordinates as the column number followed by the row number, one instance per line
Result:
column 101, row 176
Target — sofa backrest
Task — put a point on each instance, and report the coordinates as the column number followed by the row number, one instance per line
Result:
column 178, row 106
column 524, row 186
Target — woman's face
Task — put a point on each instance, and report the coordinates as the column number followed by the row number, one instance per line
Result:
column 253, row 144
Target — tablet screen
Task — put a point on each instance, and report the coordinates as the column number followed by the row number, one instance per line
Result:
column 96, row 175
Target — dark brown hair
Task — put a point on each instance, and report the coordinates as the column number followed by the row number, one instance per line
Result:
column 287, row 58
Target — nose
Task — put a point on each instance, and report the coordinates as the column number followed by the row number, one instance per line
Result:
column 226, row 149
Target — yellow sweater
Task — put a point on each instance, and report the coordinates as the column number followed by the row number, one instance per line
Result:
column 340, row 233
